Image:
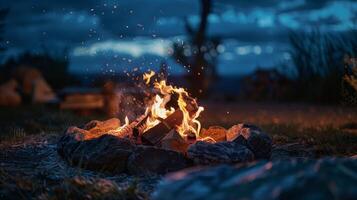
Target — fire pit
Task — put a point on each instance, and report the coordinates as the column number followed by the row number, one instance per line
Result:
column 162, row 140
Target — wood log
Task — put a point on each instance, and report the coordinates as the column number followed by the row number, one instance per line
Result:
column 154, row 135
column 173, row 141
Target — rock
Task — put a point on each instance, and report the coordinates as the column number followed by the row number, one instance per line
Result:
column 329, row 178
column 257, row 141
column 106, row 153
column 215, row 132
column 292, row 150
column 9, row 96
column 233, row 132
column 100, row 127
column 173, row 141
column 95, row 128
column 221, row 152
column 152, row 160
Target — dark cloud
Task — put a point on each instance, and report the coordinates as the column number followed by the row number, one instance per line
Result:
column 307, row 5
column 68, row 23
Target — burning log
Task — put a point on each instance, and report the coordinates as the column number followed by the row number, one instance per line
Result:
column 173, row 141
column 140, row 126
column 154, row 135
column 127, row 130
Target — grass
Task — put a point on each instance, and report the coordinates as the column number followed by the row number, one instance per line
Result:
column 16, row 123
column 327, row 141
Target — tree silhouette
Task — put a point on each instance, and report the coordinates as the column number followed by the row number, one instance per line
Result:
column 198, row 54
column 3, row 14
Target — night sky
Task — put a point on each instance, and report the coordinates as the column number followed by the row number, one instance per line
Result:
column 114, row 36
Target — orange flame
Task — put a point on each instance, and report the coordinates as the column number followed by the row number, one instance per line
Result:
column 120, row 130
column 157, row 111
column 147, row 77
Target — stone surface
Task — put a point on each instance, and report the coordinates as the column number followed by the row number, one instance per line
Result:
column 151, row 160
column 105, row 153
column 257, row 141
column 217, row 133
column 220, row 152
column 329, row 178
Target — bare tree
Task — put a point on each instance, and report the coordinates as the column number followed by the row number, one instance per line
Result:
column 3, row 14
column 318, row 60
column 198, row 55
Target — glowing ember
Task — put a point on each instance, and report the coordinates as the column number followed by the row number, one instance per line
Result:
column 122, row 129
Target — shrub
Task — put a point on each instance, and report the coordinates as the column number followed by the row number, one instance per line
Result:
column 318, row 64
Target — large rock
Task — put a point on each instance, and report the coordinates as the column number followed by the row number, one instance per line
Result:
column 217, row 133
column 256, row 140
column 115, row 154
column 220, row 152
column 105, row 153
column 311, row 179
column 152, row 160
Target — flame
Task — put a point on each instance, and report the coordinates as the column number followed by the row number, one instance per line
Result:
column 121, row 129
column 158, row 110
column 147, row 77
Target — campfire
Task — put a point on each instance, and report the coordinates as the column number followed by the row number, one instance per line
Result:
column 159, row 120
column 166, row 137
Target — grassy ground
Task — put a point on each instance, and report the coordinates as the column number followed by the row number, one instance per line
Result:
column 331, row 130
column 15, row 123
column 27, row 172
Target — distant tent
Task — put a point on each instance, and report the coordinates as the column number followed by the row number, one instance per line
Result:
column 26, row 76
column 42, row 92
column 9, row 96
column 34, row 85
